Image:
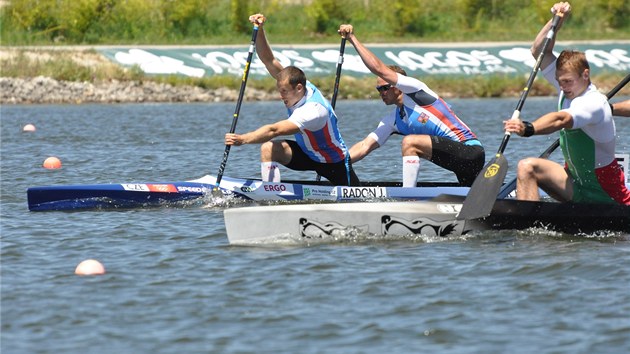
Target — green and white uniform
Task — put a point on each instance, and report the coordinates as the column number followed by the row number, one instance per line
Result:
column 589, row 146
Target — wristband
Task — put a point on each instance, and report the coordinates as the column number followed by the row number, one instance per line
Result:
column 529, row 129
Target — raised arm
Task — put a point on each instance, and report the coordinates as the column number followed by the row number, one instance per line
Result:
column 263, row 48
column 376, row 65
column 562, row 7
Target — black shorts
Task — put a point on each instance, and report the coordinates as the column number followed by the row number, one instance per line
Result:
column 465, row 160
column 339, row 173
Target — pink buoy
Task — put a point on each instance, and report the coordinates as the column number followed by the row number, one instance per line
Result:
column 90, row 267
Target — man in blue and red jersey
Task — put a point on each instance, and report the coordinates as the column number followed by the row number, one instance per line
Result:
column 587, row 134
column 432, row 130
column 318, row 145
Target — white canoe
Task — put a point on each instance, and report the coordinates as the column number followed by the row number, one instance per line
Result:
column 436, row 217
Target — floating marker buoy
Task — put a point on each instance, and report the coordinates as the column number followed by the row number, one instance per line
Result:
column 52, row 163
column 90, row 267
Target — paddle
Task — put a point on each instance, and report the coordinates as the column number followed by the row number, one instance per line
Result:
column 484, row 190
column 226, row 153
column 510, row 186
column 342, row 48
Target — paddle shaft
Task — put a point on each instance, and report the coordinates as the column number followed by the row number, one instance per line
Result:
column 619, row 86
column 486, row 186
column 241, row 94
column 532, row 76
column 510, row 186
column 342, row 49
column 333, row 101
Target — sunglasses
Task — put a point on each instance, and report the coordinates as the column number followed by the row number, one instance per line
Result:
column 383, row 88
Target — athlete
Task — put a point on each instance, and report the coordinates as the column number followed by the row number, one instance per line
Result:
column 587, row 134
column 432, row 130
column 318, row 145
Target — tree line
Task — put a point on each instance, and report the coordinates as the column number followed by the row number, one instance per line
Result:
column 187, row 22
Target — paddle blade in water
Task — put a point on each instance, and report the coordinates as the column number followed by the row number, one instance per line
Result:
column 483, row 192
column 216, row 192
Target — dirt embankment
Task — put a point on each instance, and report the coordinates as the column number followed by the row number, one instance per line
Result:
column 40, row 89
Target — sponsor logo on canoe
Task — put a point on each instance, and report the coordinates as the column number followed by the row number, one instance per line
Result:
column 136, row 187
column 315, row 229
column 187, row 189
column 393, row 225
column 363, row 192
column 492, row 170
column 390, row 225
column 247, row 189
column 327, row 193
column 164, row 188
column 276, row 188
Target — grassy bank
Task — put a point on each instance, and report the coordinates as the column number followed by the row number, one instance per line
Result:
column 182, row 22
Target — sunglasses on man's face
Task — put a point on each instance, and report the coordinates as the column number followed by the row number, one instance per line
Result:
column 383, row 88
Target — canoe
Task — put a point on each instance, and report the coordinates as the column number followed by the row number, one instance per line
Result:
column 148, row 194
column 435, row 217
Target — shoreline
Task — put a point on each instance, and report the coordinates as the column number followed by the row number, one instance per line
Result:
column 45, row 90
column 105, row 86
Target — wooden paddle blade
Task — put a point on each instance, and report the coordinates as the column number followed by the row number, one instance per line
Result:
column 483, row 192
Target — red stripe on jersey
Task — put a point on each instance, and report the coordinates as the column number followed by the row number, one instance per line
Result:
column 446, row 121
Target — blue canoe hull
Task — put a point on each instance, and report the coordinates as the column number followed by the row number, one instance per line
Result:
column 151, row 194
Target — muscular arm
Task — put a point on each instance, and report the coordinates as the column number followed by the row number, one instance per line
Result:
column 546, row 124
column 263, row 48
column 371, row 61
column 263, row 134
column 622, row 108
column 361, row 149
column 537, row 46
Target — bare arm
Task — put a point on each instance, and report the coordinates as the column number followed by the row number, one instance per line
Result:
column 361, row 149
column 371, row 61
column 546, row 124
column 263, row 48
column 563, row 8
column 622, row 108
column 263, row 134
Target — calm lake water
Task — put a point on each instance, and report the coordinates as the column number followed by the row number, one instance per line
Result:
column 175, row 285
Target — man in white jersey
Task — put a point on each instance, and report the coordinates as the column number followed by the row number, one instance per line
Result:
column 587, row 134
column 432, row 130
column 318, row 145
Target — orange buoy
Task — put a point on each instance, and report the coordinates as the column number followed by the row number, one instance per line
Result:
column 52, row 163
column 29, row 128
column 90, row 267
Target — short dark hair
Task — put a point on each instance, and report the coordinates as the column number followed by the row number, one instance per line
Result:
column 572, row 60
column 397, row 69
column 292, row 74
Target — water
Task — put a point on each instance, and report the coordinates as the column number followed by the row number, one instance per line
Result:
column 175, row 285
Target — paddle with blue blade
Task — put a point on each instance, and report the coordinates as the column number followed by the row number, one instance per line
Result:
column 485, row 188
column 342, row 49
column 510, row 186
column 252, row 46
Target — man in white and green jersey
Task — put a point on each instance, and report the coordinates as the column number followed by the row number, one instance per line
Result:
column 587, row 135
